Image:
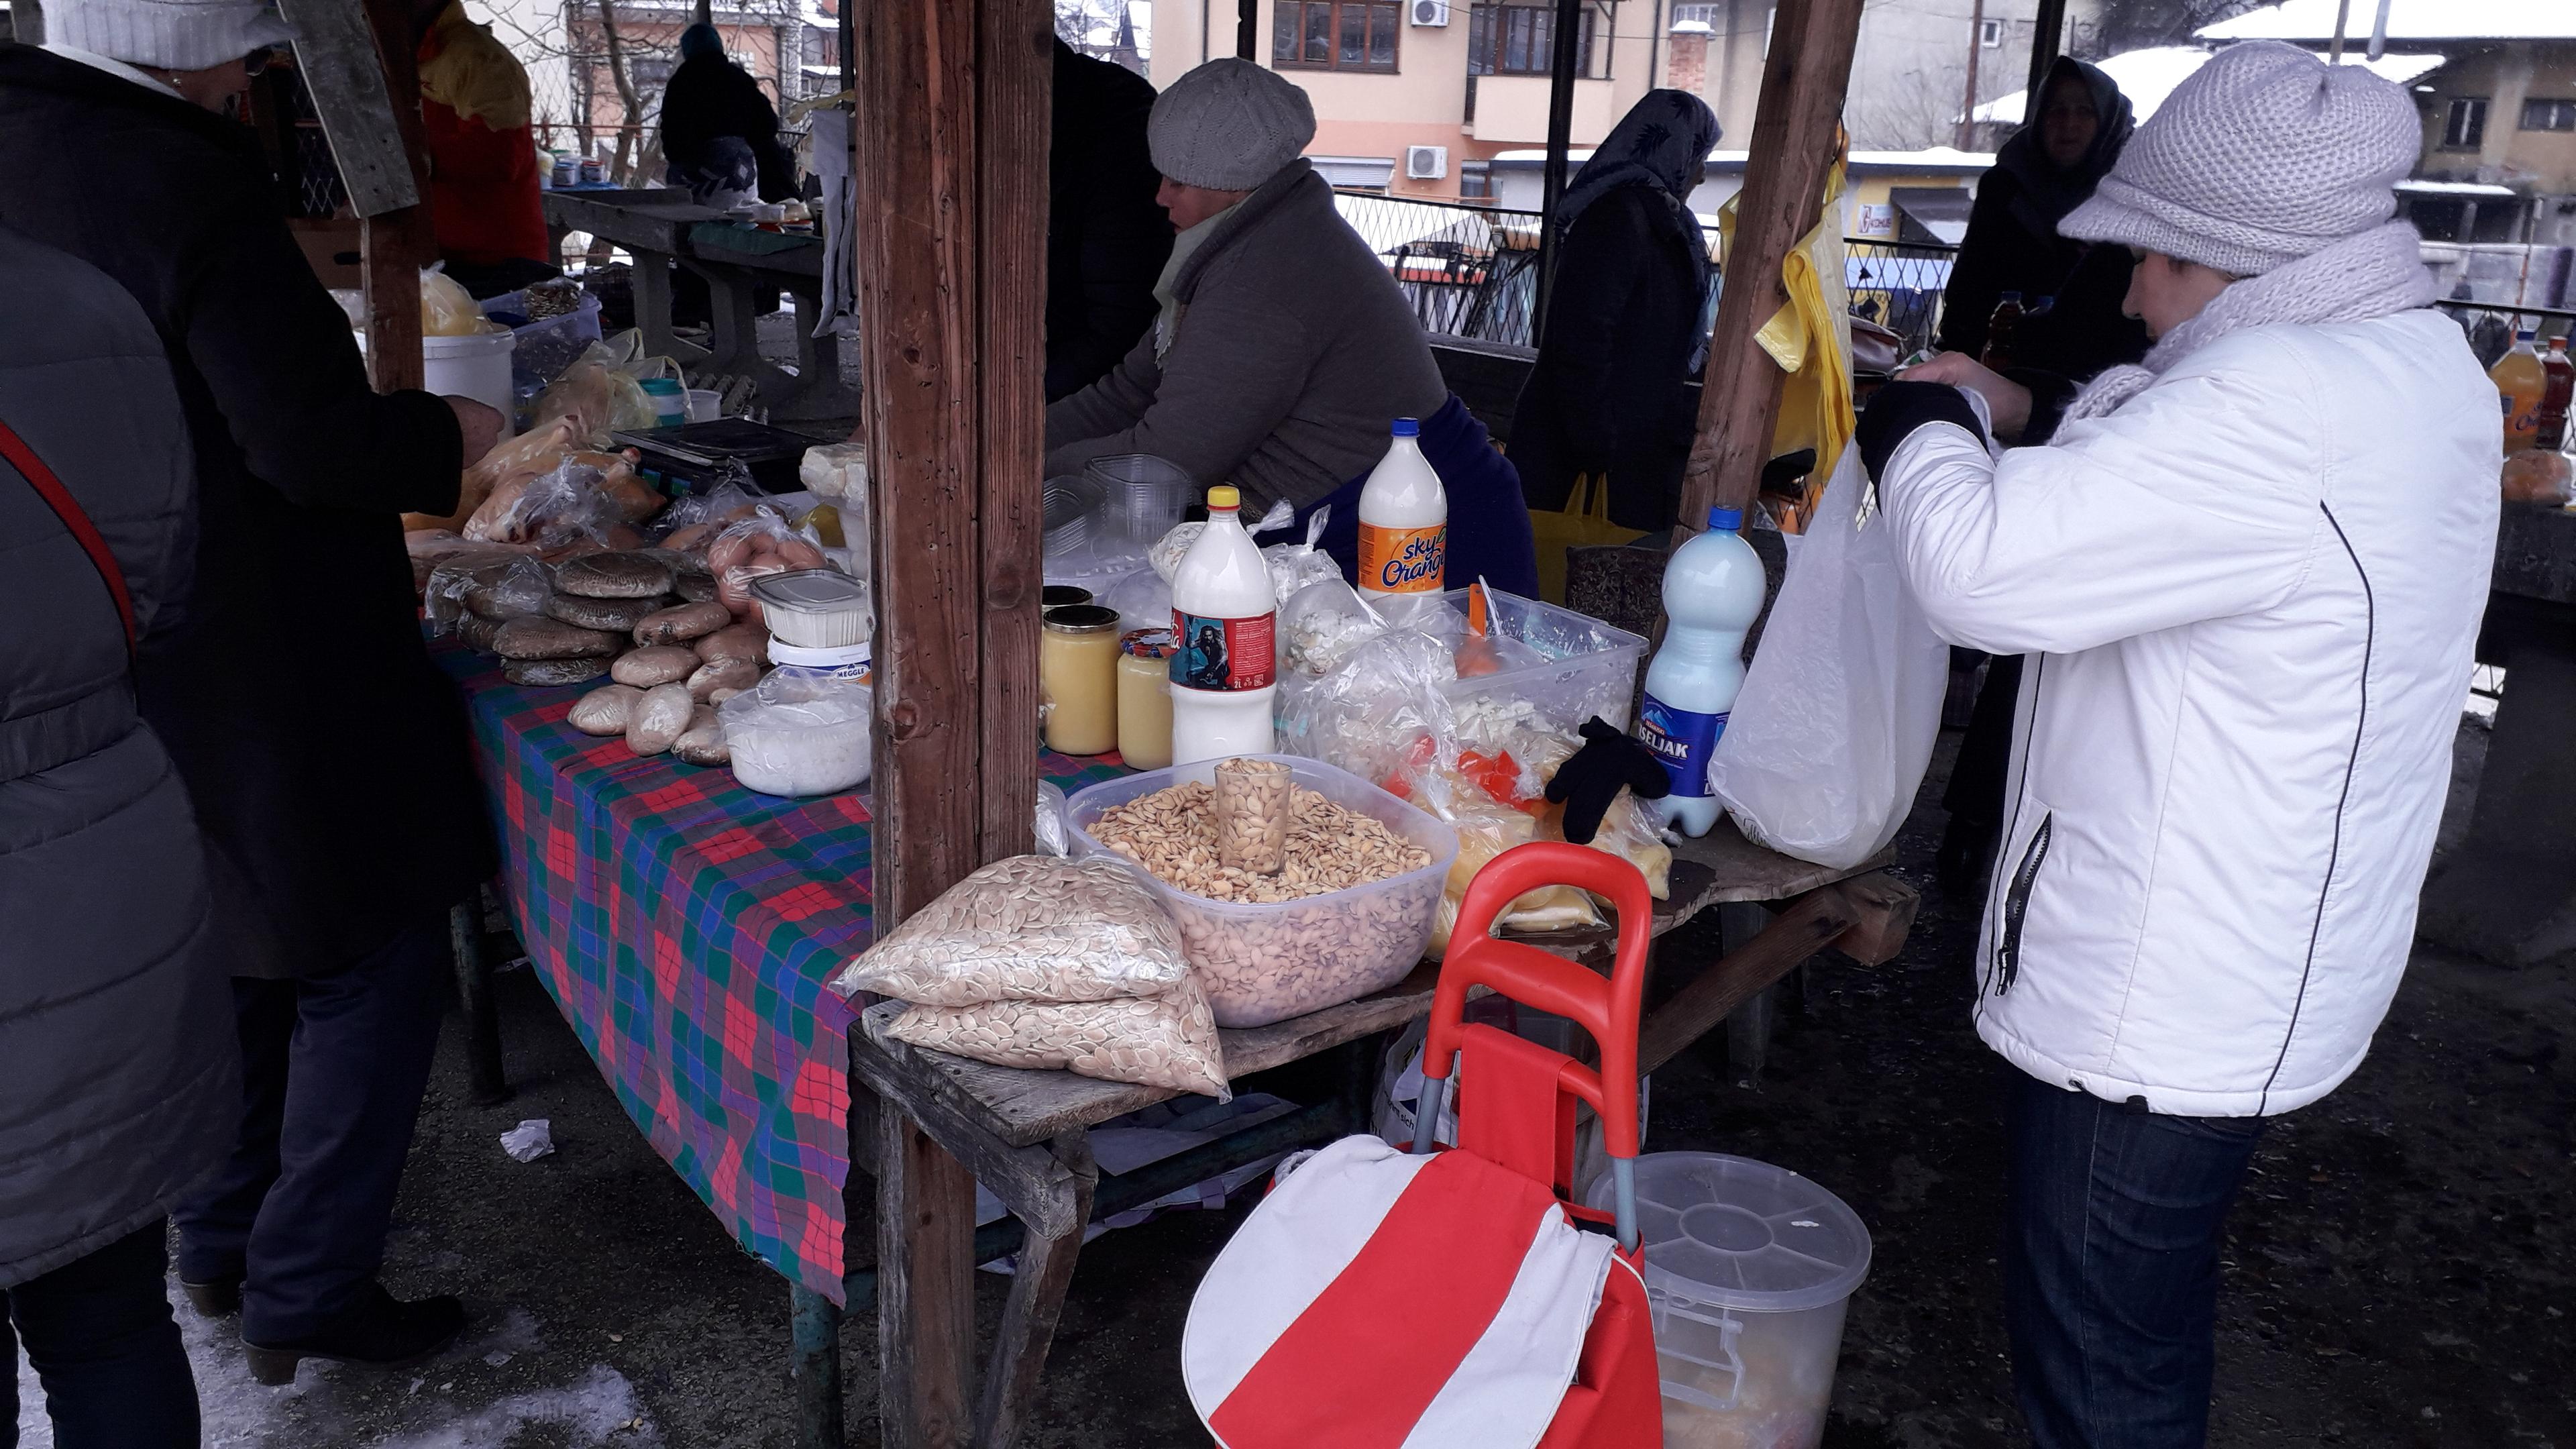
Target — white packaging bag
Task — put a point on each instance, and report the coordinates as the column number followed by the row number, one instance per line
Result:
column 1829, row 738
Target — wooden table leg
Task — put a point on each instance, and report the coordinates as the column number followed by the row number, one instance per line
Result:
column 653, row 308
column 925, row 1288
column 474, row 993
column 1038, row 1285
column 814, row 1366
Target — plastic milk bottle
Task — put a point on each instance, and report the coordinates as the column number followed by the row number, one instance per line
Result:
column 1712, row 594
column 1404, row 523
column 1225, row 619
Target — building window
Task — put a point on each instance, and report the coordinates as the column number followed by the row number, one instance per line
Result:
column 1475, row 180
column 2465, row 126
column 2549, row 115
column 1521, row 40
column 1335, row 35
column 1990, row 33
column 1697, row 15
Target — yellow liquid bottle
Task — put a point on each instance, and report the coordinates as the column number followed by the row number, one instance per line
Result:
column 2521, row 380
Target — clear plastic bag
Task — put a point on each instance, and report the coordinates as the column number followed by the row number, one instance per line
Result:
column 569, row 505
column 1828, row 739
column 1164, row 554
column 1293, row 566
column 1028, row 928
column 1379, row 713
column 799, row 734
column 759, row 545
column 492, row 583
column 448, row 310
column 600, row 392
column 1321, row 624
column 690, row 524
column 1166, row 1041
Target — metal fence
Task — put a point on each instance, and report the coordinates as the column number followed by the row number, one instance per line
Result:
column 1898, row 287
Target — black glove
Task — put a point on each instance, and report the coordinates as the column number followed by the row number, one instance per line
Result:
column 1592, row 777
column 1901, row 407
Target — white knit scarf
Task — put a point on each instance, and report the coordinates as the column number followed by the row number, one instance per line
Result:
column 2376, row 273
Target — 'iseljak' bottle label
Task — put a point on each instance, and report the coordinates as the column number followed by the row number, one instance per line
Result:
column 1683, row 739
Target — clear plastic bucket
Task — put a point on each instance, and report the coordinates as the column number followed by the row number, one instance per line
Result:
column 1143, row 497
column 1748, row 1270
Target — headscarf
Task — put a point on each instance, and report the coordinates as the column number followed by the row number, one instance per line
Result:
column 2046, row 194
column 700, row 39
column 1658, row 144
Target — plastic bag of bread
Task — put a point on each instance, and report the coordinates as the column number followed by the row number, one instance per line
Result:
column 2537, row 475
column 484, row 581
column 1628, row 831
column 1028, row 928
column 564, row 506
column 691, row 523
column 1486, row 830
column 514, row 460
column 447, row 309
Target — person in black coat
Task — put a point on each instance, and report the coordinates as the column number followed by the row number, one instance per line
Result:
column 2071, row 291
column 115, row 1097
column 1107, row 239
column 719, row 132
column 2073, row 326
column 1627, row 319
column 326, row 756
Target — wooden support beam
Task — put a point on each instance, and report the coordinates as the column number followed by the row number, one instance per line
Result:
column 1886, row 906
column 1731, row 980
column 925, row 1290
column 1793, row 150
column 398, row 243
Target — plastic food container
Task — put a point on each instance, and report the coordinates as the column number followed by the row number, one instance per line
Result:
column 1143, row 497
column 800, row 736
column 1264, row 963
column 1748, row 1269
column 1591, row 667
column 815, row 608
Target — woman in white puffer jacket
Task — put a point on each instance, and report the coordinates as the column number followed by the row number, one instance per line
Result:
column 2249, row 575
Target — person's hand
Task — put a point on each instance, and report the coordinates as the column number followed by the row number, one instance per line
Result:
column 1897, row 410
column 2006, row 399
column 481, row 426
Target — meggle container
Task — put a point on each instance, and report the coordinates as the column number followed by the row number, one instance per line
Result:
column 1261, row 963
column 1748, row 1269
column 816, row 608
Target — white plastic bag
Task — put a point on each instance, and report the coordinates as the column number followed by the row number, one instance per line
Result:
column 1830, row 735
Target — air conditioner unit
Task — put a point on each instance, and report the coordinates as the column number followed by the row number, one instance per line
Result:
column 1426, row 163
column 1430, row 12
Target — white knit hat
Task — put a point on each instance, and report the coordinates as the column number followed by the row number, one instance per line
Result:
column 2264, row 155
column 1229, row 126
column 166, row 34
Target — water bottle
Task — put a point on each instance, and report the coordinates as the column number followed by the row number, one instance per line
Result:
column 1713, row 591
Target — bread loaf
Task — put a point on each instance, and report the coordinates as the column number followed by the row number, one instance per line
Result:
column 659, row 719
column 682, row 623
column 722, row 672
column 553, row 671
column 655, row 664
column 619, row 616
column 544, row 638
column 603, row 711
column 614, row 576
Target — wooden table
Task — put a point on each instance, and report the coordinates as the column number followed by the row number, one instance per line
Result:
column 1022, row 1135
column 655, row 226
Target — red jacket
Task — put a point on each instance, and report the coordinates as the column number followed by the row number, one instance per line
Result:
column 474, row 110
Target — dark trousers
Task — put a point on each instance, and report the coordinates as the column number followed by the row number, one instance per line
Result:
column 332, row 1073
column 1977, row 790
column 2113, row 1221
column 99, row 1333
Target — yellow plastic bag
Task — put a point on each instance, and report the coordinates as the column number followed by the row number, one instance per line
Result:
column 1810, row 338
column 1585, row 522
column 448, row 310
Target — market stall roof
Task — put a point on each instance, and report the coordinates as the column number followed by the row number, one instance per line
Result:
column 2146, row 77
column 2408, row 21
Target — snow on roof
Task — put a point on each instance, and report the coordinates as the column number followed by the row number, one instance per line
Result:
column 1933, row 158
column 2146, row 77
column 2408, row 20
column 2454, row 188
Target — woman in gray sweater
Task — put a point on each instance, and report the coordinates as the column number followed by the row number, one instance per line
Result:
column 1283, row 350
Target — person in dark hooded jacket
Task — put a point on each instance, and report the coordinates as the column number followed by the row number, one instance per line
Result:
column 719, row 133
column 1107, row 239
column 1627, row 319
column 2071, row 291
column 118, row 1081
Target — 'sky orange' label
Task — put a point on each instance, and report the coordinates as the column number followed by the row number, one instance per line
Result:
column 1403, row 560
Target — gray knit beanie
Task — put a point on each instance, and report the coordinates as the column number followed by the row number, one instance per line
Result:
column 1229, row 126
column 2266, row 154
column 166, row 34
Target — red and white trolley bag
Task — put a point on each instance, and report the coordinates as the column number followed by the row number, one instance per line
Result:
column 1385, row 1299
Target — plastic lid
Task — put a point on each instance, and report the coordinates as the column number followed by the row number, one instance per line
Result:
column 811, row 591
column 660, row 386
column 1225, row 495
column 1729, row 519
column 1735, row 1233
column 833, row 657
column 1408, row 427
column 2526, row 334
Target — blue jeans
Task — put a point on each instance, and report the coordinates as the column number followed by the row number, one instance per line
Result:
column 2113, row 1220
column 333, row 1068
column 99, row 1332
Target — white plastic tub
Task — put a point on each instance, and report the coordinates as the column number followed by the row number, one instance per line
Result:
column 1748, row 1270
column 1265, row 963
column 477, row 366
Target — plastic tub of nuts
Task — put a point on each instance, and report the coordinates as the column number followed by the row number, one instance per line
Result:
column 1259, row 960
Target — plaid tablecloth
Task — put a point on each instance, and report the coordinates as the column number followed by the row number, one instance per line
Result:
column 685, row 926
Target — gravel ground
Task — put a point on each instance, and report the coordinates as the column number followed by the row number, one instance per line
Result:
column 2399, row 1270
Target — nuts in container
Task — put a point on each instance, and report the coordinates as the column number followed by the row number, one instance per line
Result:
column 1252, row 815
column 1348, row 913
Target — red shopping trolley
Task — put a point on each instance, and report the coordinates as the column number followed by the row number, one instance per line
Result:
column 1386, row 1299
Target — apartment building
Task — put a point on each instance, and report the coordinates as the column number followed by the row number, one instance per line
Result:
column 1420, row 97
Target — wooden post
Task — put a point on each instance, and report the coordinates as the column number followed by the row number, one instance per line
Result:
column 1793, row 150
column 951, row 169
column 398, row 243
